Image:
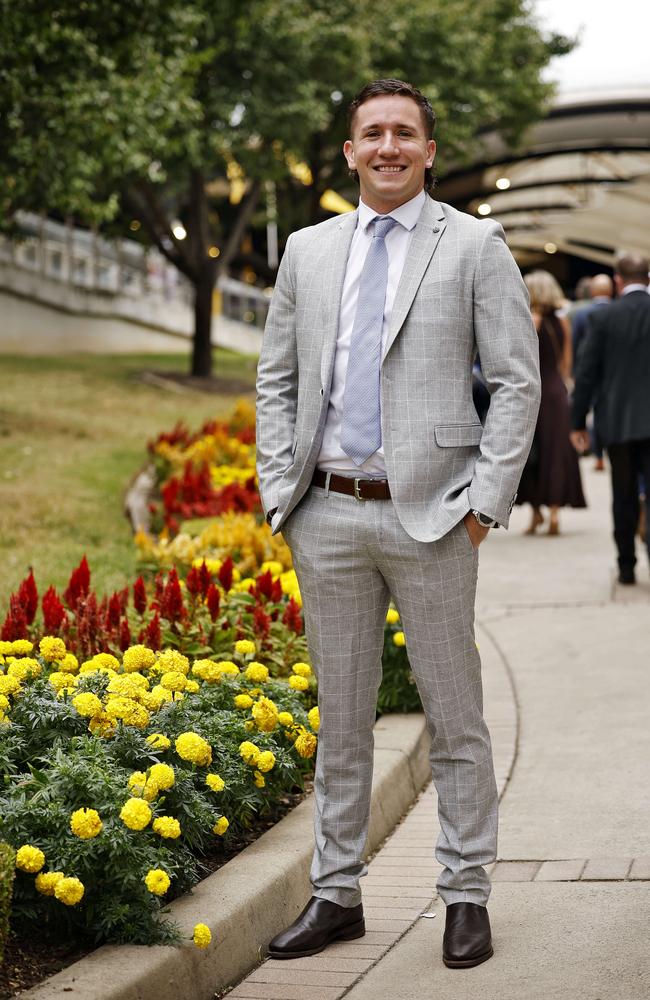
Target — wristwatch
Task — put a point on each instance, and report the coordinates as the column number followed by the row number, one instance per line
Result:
column 484, row 520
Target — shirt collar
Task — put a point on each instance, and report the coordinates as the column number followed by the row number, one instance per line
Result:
column 634, row 288
column 407, row 214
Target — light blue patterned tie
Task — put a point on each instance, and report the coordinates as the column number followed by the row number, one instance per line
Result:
column 361, row 423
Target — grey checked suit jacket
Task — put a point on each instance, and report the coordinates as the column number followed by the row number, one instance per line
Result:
column 460, row 291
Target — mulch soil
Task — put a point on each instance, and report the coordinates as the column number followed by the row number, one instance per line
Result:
column 180, row 382
column 29, row 960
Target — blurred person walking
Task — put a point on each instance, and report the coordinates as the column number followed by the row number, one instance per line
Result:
column 614, row 366
column 551, row 476
column 601, row 289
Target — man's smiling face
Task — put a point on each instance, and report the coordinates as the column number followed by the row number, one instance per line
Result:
column 389, row 150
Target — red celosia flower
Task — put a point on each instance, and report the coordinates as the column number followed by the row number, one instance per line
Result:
column 261, row 622
column 193, row 581
column 153, row 637
column 171, row 604
column 139, row 596
column 79, row 584
column 53, row 612
column 89, row 622
column 28, row 597
column 292, row 617
column 113, row 613
column 225, row 573
column 213, row 599
column 206, row 578
column 15, row 624
column 264, row 585
column 125, row 635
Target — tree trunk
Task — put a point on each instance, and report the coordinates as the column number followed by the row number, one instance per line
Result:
column 202, row 345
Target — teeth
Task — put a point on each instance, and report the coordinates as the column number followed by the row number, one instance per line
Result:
column 390, row 170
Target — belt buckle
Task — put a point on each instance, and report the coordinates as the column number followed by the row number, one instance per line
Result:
column 357, row 495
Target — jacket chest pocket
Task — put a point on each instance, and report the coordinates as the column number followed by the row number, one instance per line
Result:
column 458, row 435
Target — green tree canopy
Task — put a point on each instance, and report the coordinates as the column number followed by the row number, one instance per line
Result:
column 151, row 107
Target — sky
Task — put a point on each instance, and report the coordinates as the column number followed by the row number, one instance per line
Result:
column 614, row 46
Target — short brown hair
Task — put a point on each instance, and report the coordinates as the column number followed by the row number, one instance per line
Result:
column 399, row 88
column 631, row 267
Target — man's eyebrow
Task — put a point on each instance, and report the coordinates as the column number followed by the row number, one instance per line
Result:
column 365, row 128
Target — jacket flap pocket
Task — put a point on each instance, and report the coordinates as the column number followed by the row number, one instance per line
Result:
column 458, row 435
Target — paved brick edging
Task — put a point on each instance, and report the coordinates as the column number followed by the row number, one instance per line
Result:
column 251, row 898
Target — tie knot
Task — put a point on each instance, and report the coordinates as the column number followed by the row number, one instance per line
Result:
column 382, row 225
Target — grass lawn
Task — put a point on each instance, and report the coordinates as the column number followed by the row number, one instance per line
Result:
column 73, row 433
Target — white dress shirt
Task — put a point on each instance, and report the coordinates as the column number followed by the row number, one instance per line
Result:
column 332, row 458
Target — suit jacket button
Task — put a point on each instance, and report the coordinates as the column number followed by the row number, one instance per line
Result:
column 322, row 392
column 436, row 229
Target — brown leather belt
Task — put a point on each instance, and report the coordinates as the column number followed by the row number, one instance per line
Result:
column 362, row 489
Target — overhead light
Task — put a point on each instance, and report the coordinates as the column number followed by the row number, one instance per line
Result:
column 503, row 183
column 178, row 229
column 484, row 208
column 550, row 248
column 213, row 251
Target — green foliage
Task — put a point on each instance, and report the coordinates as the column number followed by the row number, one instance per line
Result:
column 53, row 762
column 7, row 861
column 398, row 691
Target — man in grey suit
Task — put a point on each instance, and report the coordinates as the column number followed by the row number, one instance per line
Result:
column 373, row 463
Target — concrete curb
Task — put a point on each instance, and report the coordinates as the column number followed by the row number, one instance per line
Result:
column 252, row 897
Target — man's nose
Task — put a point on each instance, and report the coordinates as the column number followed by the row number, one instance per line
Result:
column 388, row 144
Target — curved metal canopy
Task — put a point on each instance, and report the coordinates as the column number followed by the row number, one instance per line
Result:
column 579, row 184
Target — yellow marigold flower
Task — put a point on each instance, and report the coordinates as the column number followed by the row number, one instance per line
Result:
column 265, row 713
column 190, row 746
column 272, row 566
column 25, row 669
column 132, row 685
column 30, row 859
column 162, row 775
column 247, row 584
column 260, row 780
column 137, row 782
column 399, row 639
column 69, row 664
column 87, row 705
column 135, row 814
column 220, row 826
column 21, row 647
column 215, row 783
column 298, row 683
column 285, row 718
column 4, row 720
column 173, row 680
column 302, row 669
column 4, row 703
column 137, row 658
column 167, row 827
column 257, row 672
column 159, row 696
column 69, row 891
column 191, row 687
column 265, row 760
column 243, row 701
column 46, row 882
column 249, row 752
column 313, row 716
column 86, row 823
column 107, row 661
column 392, row 616
column 171, row 660
column 244, row 647
column 102, row 725
column 250, row 726
column 52, row 648
column 9, row 685
column 227, row 667
column 306, row 743
column 202, row 936
column 128, row 710
column 158, row 741
column 157, row 881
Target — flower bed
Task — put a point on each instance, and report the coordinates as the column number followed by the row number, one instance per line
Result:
column 120, row 773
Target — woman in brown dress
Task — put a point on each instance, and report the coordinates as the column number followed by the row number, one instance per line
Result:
column 551, row 477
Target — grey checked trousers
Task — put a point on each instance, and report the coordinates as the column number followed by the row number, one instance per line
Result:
column 350, row 557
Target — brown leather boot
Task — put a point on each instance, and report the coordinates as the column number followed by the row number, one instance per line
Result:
column 320, row 923
column 467, row 940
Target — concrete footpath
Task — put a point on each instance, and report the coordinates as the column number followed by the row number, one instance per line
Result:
column 567, row 684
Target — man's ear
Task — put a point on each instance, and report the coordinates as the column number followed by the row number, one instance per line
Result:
column 431, row 151
column 348, row 152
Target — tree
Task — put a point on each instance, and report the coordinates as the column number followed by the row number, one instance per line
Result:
column 158, row 108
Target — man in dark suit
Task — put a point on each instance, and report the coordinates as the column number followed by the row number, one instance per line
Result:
column 601, row 290
column 614, row 365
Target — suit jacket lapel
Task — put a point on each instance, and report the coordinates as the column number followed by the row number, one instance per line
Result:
column 333, row 277
column 426, row 235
